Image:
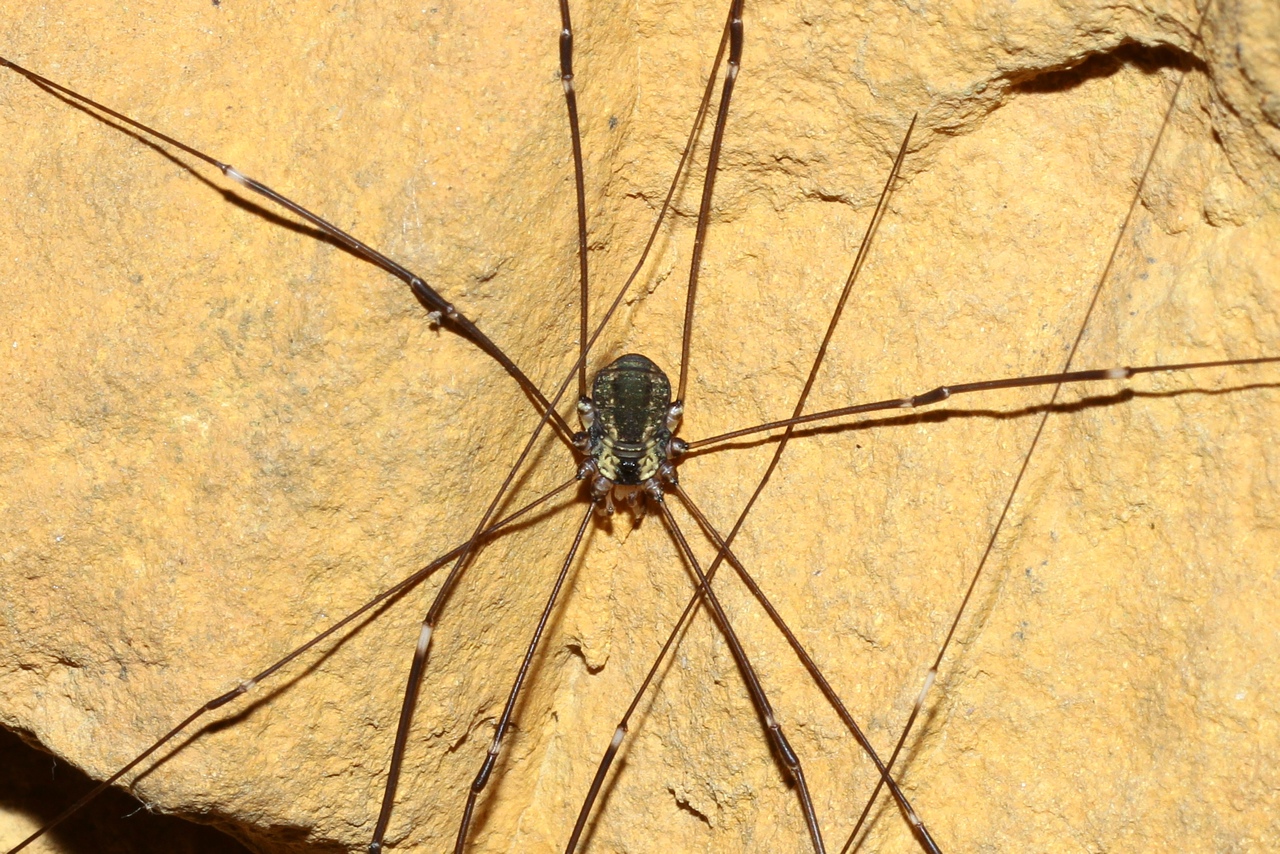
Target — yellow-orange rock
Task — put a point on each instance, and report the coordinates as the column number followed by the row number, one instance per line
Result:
column 221, row 434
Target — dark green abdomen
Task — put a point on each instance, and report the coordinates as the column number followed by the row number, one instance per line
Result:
column 629, row 437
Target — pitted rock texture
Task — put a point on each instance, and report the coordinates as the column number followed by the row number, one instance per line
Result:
column 222, row 434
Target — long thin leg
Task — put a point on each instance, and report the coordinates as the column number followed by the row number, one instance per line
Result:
column 1066, row 376
column 419, row 661
column 945, row 392
column 444, row 313
column 724, row 545
column 773, row 729
column 620, row 731
column 246, row 685
column 579, row 184
column 918, row 827
column 922, row 833
column 708, row 187
column 420, row 654
column 504, row 722
column 441, row 310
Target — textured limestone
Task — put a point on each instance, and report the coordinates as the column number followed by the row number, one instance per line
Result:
column 220, row 434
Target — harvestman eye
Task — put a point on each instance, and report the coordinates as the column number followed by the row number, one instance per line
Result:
column 763, row 743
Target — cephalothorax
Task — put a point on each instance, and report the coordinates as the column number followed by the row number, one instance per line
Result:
column 629, row 421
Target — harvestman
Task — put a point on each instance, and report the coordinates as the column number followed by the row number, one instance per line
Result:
column 703, row 220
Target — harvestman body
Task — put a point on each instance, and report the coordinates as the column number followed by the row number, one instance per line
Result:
column 630, row 420
column 627, row 458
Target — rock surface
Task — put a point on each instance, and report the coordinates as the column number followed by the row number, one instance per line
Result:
column 221, row 434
